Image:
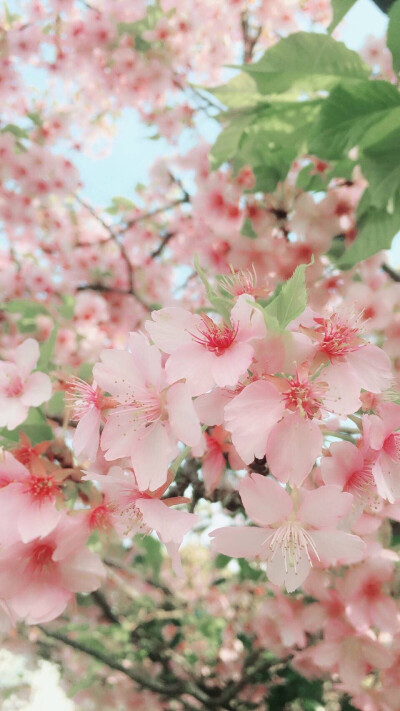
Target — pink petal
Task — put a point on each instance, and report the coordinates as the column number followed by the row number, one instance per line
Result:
column 212, row 468
column 338, row 547
column 37, row 389
column 292, row 448
column 26, row 357
column 117, row 374
column 194, row 363
column 372, row 368
column 183, row 419
column 86, row 438
column 249, row 319
column 264, row 500
column 83, row 572
column 239, row 541
column 210, row 406
column 12, row 412
column 324, row 507
column 172, row 327
column 281, row 573
column 151, row 455
column 250, row 417
column 118, row 434
column 228, row 367
column 147, row 358
column 345, row 459
column 170, row 524
column 343, row 394
column 40, row 602
column 36, row 520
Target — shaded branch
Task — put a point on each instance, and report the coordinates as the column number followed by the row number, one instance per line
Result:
column 136, row 675
column 390, row 272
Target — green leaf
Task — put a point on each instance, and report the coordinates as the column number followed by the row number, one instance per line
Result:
column 381, row 167
column 239, row 92
column 267, row 138
column 152, row 551
column 120, row 204
column 247, row 229
column 227, row 143
column 46, row 351
column 221, row 304
column 376, row 229
column 355, row 115
column 340, row 8
column 393, row 34
column 290, row 300
column 25, row 307
column 67, row 308
column 15, row 130
column 306, row 61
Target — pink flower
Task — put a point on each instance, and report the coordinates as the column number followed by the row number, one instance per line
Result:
column 204, row 352
column 87, row 402
column 340, row 343
column 132, row 511
column 38, row 579
column 278, row 419
column 21, row 389
column 151, row 417
column 292, row 532
column 350, row 469
column 384, row 442
column 214, row 463
column 367, row 595
column 27, row 502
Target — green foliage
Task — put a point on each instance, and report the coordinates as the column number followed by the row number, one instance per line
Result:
column 393, row 35
column 28, row 311
column 221, row 304
column 120, row 204
column 294, row 687
column 340, row 8
column 267, row 128
column 289, row 300
column 67, row 308
column 151, row 556
column 136, row 29
column 35, row 427
column 306, row 61
column 376, row 229
column 15, row 130
column 46, row 351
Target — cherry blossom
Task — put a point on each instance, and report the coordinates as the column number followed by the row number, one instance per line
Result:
column 21, row 389
column 290, row 536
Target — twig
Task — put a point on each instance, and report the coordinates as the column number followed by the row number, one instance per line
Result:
column 136, row 675
column 390, row 272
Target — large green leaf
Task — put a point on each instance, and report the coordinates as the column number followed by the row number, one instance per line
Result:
column 380, row 165
column 227, row 143
column 351, row 115
column 290, row 299
column 267, row 138
column 393, row 35
column 340, row 8
column 238, row 92
column 306, row 61
column 376, row 229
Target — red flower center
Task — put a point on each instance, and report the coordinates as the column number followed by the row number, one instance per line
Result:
column 216, row 338
column 42, row 488
column 302, row 395
column 42, row 556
